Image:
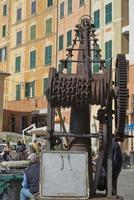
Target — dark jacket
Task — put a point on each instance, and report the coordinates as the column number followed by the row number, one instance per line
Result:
column 32, row 174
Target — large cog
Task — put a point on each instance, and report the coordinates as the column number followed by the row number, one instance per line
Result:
column 121, row 96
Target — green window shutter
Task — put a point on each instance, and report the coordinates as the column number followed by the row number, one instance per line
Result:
column 108, row 13
column 61, row 10
column 48, row 55
column 19, row 13
column 33, row 88
column 18, row 91
column 18, row 37
column 69, row 38
column 49, row 3
column 5, row 10
column 45, row 84
column 27, row 90
column 69, row 7
column 81, row 3
column 17, row 64
column 60, row 42
column 97, row 19
column 32, row 59
column 4, row 31
column 48, row 26
column 108, row 53
column 69, row 68
column 30, row 89
column 33, row 32
column 33, row 7
column 95, row 67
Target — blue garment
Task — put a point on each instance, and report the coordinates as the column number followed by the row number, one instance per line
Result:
column 24, row 182
column 32, row 174
column 25, row 193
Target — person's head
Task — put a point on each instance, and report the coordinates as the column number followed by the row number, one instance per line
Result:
column 39, row 144
column 34, row 141
column 19, row 142
column 6, row 147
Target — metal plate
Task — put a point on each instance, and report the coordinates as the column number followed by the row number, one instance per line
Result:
column 64, row 174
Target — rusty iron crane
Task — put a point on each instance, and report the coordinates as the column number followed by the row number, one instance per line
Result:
column 81, row 90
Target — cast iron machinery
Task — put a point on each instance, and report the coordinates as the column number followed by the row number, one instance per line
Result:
column 84, row 88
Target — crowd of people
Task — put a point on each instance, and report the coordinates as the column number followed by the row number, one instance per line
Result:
column 30, row 183
column 22, row 151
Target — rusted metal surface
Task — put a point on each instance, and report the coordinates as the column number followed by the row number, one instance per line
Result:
column 121, row 96
column 83, row 89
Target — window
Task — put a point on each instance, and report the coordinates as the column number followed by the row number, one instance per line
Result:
column 13, row 123
column 3, row 53
column 48, row 26
column 69, row 7
column 18, row 91
column 108, row 13
column 33, row 7
column 69, row 67
column 49, row 3
column 17, row 64
column 30, row 89
column 45, row 84
column 97, row 19
column 33, row 32
column 19, row 38
column 4, row 31
column 60, row 42
column 81, row 3
column 61, row 10
column 48, row 55
column 5, row 10
column 108, row 53
column 32, row 59
column 69, row 38
column 18, row 14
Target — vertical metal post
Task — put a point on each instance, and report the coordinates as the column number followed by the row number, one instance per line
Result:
column 50, row 122
column 110, row 150
column 90, row 174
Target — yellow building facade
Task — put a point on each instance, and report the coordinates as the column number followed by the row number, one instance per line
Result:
column 33, row 38
column 110, row 18
column 4, row 42
column 31, row 52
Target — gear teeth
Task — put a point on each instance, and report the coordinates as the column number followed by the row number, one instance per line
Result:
column 122, row 96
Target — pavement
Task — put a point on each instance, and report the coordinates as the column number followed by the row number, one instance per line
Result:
column 126, row 184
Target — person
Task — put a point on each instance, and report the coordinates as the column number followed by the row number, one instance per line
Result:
column 30, row 184
column 117, row 165
column 23, row 145
column 23, row 149
column 6, row 156
column 35, row 146
column 19, row 151
column 39, row 147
